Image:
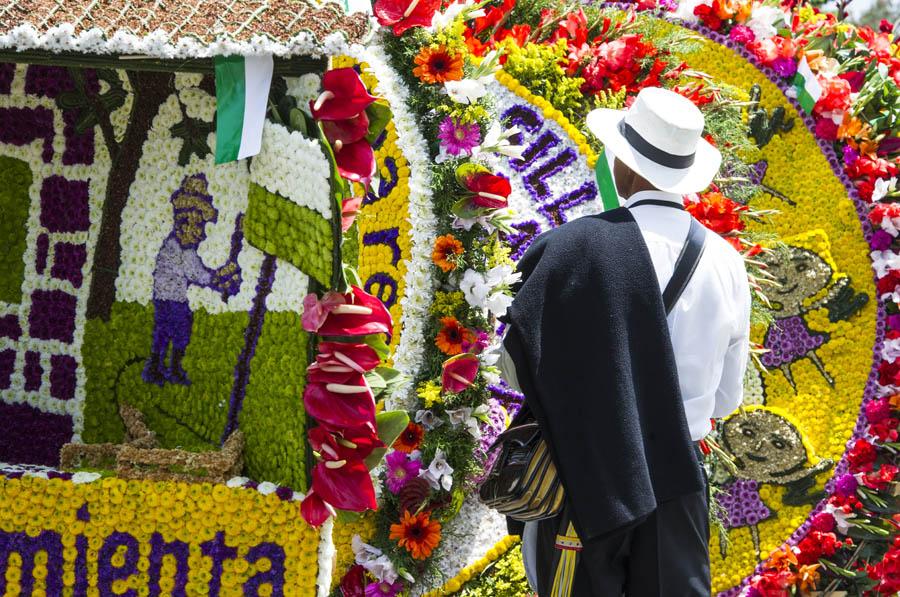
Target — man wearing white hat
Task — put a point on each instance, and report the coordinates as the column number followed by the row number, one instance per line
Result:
column 629, row 332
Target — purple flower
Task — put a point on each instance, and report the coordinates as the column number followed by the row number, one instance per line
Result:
column 669, row 5
column 480, row 343
column 400, row 469
column 458, row 138
column 893, row 321
column 850, row 155
column 845, row 485
column 881, row 240
column 383, row 589
column 741, row 34
column 785, row 67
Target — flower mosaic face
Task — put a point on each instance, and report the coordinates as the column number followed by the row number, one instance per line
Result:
column 818, row 359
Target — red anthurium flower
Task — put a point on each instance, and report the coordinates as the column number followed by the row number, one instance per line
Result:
column 340, row 405
column 361, row 314
column 405, row 14
column 353, row 444
column 354, row 582
column 315, row 510
column 344, row 96
column 316, row 310
column 359, row 357
column 355, row 161
column 491, row 191
column 349, row 211
column 316, row 373
column 459, row 372
column 345, row 484
column 343, row 132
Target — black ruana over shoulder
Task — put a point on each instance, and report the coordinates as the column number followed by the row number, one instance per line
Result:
column 588, row 335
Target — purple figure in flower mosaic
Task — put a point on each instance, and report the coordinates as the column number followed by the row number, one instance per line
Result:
column 178, row 266
column 766, row 448
column 804, row 284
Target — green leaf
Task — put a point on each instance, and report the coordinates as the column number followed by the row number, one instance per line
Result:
column 297, row 120
column 352, row 277
column 379, row 116
column 837, row 569
column 468, row 169
column 347, row 517
column 377, row 342
column 390, row 425
column 376, row 383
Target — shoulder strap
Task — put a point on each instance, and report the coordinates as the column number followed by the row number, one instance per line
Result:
column 685, row 264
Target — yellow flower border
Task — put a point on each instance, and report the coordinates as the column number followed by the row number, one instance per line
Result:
column 469, row 572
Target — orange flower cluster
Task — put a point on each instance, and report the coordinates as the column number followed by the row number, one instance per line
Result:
column 446, row 248
column 437, row 64
column 417, row 534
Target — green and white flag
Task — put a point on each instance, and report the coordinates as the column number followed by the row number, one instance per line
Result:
column 242, row 95
column 605, row 182
column 808, row 89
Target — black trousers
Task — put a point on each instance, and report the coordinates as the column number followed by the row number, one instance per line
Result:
column 664, row 555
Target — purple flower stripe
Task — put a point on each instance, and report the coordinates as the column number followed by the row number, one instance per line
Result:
column 62, row 376
column 385, row 185
column 52, row 315
column 23, row 423
column 68, row 261
column 555, row 211
column 21, row 126
column 535, row 151
column 9, row 327
column 33, row 371
column 519, row 241
column 7, row 364
column 64, row 205
column 79, row 148
column 524, row 117
column 384, row 281
column 536, row 181
column 7, row 73
column 43, row 248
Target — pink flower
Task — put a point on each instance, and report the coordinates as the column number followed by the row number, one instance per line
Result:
column 458, row 138
column 400, row 469
column 360, row 314
column 878, row 410
column 459, row 372
column 345, row 484
column 346, row 356
column 826, row 129
column 349, row 211
column 355, row 161
column 823, row 521
column 741, row 34
column 340, row 404
column 315, row 311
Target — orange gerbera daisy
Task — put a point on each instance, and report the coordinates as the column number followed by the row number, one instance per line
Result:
column 452, row 336
column 445, row 248
column 438, row 64
column 410, row 439
column 417, row 533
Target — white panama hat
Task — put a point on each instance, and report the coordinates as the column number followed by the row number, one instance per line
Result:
column 661, row 138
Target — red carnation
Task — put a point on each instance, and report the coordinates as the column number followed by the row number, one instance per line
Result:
column 861, row 456
column 816, row 545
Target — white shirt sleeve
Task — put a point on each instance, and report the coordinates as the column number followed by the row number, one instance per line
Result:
column 508, row 368
column 730, row 392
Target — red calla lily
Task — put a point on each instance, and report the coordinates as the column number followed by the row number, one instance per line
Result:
column 491, row 190
column 405, row 14
column 344, row 96
column 459, row 372
column 354, row 582
column 339, row 411
column 349, row 210
column 361, row 315
column 359, row 357
column 343, row 132
column 315, row 373
column 355, row 161
column 345, row 484
column 314, row 510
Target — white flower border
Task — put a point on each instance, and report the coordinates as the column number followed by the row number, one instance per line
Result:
column 158, row 44
column 419, row 282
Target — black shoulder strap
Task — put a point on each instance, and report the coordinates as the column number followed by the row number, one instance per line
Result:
column 685, row 264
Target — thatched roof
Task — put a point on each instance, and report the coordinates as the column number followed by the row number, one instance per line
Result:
column 179, row 29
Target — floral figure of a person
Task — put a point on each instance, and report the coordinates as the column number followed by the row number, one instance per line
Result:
column 766, row 448
column 807, row 280
column 178, row 266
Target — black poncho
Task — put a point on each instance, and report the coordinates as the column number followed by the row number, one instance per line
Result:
column 588, row 335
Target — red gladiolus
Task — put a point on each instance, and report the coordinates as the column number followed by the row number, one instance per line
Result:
column 337, row 409
column 490, row 191
column 356, row 161
column 405, row 14
column 459, row 372
column 344, row 96
column 345, row 484
column 880, row 479
column 359, row 357
column 717, row 212
column 360, row 315
column 314, row 510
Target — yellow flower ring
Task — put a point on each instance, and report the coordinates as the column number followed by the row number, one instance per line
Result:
column 819, row 369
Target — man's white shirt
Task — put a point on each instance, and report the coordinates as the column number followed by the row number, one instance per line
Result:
column 709, row 325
